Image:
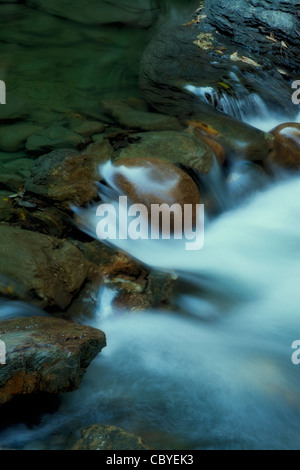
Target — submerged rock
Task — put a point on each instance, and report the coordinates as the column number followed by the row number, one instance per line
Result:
column 45, row 354
column 286, row 145
column 104, row 437
column 27, row 26
column 129, row 115
column 138, row 13
column 14, row 136
column 53, row 137
column 50, row 270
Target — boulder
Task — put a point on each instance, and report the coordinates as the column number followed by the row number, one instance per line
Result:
column 150, row 181
column 286, row 146
column 259, row 20
column 67, row 177
column 104, row 437
column 49, row 270
column 174, row 147
column 45, row 354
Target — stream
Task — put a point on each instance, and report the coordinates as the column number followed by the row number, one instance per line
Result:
column 216, row 371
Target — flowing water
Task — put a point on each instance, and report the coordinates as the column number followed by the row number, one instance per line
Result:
column 216, row 372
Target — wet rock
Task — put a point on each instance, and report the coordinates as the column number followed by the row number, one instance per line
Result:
column 104, row 437
column 220, row 133
column 257, row 19
column 286, row 145
column 133, row 118
column 14, row 136
column 151, row 181
column 209, row 138
column 179, row 77
column 67, row 177
column 45, row 354
column 33, row 214
column 50, row 270
column 136, row 287
column 53, row 137
column 138, row 13
column 174, row 147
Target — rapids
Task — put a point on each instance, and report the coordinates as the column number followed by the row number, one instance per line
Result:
column 217, row 371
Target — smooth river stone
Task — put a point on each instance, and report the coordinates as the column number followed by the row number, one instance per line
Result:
column 286, row 145
column 153, row 181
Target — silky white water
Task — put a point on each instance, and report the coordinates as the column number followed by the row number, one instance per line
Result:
column 217, row 371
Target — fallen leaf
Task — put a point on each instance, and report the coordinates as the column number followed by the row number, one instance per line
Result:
column 190, row 23
column 250, row 61
column 244, row 59
column 235, row 56
column 200, row 18
column 284, row 44
column 203, row 127
column 283, row 72
column 224, row 85
column 270, row 38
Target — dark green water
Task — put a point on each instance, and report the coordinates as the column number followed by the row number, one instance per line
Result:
column 55, row 66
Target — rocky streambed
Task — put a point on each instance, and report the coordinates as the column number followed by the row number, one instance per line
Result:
column 208, row 75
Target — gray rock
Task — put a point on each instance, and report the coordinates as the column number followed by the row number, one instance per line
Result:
column 256, row 19
column 173, row 61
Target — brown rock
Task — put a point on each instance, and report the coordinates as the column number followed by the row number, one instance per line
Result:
column 103, row 437
column 286, row 145
column 136, row 288
column 68, row 177
column 153, row 181
column 45, row 354
column 51, row 270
